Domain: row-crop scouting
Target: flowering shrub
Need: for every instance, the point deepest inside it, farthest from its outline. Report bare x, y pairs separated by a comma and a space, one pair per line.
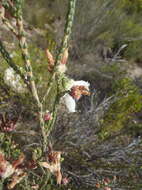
21, 80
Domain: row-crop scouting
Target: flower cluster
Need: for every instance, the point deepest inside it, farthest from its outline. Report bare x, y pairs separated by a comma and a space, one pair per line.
47, 116
53, 164
7, 170
76, 90
7, 124
61, 68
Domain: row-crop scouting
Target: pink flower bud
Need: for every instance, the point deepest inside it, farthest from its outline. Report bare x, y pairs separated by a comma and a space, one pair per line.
107, 188
51, 61
65, 57
47, 116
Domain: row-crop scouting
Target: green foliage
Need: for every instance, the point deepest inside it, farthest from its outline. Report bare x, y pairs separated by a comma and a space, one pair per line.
44, 14
134, 128
128, 101
15, 10
41, 77
134, 51
114, 70
109, 24
9, 147
132, 7
107, 38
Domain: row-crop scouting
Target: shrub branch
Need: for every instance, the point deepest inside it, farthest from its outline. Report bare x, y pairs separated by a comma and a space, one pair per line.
64, 45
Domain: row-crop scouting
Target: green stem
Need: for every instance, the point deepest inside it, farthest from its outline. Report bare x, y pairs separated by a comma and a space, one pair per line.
28, 67
42, 126
51, 124
24, 48
64, 45
68, 30
10, 62
6, 22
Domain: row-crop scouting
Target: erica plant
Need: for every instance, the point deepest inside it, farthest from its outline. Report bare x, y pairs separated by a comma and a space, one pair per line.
23, 80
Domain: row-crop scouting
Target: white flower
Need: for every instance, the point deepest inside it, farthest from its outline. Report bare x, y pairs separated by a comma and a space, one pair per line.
13, 80
81, 83
71, 83
69, 102
77, 89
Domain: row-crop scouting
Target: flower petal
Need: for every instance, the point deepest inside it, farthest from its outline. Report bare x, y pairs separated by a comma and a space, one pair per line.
69, 102
65, 57
72, 83
82, 83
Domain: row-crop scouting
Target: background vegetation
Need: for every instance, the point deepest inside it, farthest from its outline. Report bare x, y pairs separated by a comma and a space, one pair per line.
102, 141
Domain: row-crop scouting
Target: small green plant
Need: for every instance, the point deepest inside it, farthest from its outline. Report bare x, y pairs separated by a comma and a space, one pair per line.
128, 102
